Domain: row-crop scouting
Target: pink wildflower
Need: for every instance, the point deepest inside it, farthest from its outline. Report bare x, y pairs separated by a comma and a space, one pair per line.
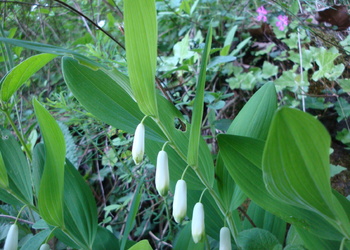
282, 23
262, 14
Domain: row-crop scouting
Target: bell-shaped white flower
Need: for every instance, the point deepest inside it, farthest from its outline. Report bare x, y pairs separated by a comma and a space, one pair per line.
225, 239
180, 201
162, 173
45, 247
138, 147
198, 226
11, 242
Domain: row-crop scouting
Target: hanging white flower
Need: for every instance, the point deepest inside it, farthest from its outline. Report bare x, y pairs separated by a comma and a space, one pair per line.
11, 242
198, 226
162, 173
138, 147
45, 247
180, 201
225, 239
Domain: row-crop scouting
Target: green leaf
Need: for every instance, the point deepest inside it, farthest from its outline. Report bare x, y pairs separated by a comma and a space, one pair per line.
257, 238
229, 192
21, 73
228, 41
219, 60
269, 70
47, 48
38, 165
193, 147
36, 241
18, 171
336, 169
345, 84
130, 221
312, 241
325, 60
255, 117
111, 103
105, 240
296, 164
140, 27
142, 245
245, 166
184, 240
80, 212
343, 109
50, 199
265, 220
4, 181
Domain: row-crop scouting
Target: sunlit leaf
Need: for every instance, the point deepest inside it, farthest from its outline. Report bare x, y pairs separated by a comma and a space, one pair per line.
21, 73
50, 199
255, 117
245, 166
140, 27
141, 245
296, 164
193, 147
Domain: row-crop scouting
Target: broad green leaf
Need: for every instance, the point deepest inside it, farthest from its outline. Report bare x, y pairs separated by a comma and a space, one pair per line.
255, 117
21, 73
36, 241
50, 199
80, 212
38, 165
18, 171
130, 221
257, 238
105, 240
265, 220
105, 98
245, 166
4, 181
312, 241
293, 238
184, 240
47, 48
229, 192
193, 147
142, 245
140, 27
296, 164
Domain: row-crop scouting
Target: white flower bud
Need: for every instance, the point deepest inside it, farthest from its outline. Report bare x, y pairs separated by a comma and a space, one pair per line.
162, 174
45, 247
198, 226
180, 201
225, 239
138, 147
11, 242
